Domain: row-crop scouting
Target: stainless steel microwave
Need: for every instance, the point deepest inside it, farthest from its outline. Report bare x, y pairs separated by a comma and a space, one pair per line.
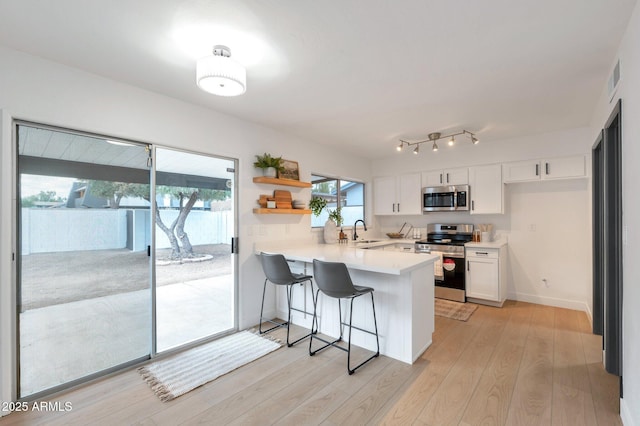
445, 198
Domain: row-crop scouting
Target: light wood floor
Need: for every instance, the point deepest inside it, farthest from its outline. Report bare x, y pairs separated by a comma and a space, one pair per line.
523, 364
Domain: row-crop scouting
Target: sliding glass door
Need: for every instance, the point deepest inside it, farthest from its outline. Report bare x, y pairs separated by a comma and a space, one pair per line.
194, 274
83, 272
124, 252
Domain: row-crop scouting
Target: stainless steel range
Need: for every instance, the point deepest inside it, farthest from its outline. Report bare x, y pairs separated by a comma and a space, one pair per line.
447, 241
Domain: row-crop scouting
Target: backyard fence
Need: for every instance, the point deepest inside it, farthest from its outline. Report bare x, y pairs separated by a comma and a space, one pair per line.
60, 230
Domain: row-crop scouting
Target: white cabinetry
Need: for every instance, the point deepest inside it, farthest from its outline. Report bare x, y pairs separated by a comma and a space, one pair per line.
458, 176
546, 169
486, 275
394, 195
487, 190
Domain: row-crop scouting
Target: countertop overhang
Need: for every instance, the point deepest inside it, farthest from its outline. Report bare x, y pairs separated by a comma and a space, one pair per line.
355, 256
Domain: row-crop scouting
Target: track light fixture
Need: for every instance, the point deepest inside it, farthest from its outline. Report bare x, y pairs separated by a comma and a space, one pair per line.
434, 137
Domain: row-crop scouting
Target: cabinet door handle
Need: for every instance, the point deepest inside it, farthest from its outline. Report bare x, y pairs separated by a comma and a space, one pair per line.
468, 266
394, 207
440, 177
398, 207
473, 207
546, 168
447, 177
537, 169
482, 253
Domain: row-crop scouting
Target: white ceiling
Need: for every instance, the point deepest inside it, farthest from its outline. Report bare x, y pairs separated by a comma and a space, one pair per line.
360, 73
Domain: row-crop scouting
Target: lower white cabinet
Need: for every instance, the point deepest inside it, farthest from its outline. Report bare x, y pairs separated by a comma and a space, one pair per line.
486, 275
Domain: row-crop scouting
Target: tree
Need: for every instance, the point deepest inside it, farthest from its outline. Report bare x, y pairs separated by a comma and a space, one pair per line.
116, 191
180, 245
47, 196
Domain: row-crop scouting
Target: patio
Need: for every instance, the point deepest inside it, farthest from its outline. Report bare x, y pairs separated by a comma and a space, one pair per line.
71, 329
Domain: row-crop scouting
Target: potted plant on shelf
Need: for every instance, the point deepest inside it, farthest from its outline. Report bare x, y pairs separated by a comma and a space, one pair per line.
270, 165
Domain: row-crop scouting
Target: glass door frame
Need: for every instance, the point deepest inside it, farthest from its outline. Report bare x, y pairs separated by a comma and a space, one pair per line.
17, 264
17, 241
234, 256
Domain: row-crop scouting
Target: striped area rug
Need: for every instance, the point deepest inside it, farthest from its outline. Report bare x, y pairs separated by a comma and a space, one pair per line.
454, 310
174, 376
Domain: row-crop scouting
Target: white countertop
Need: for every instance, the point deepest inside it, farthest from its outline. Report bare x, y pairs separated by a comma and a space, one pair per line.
354, 256
492, 244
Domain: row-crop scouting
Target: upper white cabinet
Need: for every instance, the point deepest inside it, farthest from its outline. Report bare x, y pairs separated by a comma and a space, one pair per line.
547, 169
459, 176
394, 195
487, 190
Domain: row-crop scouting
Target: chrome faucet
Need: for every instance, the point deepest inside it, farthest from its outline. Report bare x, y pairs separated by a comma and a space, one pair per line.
355, 234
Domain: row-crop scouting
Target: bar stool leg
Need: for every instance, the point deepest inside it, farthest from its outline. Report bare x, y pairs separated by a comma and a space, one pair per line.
264, 290
375, 323
314, 328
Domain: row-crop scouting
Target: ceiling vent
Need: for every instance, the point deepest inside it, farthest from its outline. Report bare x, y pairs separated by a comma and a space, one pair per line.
614, 79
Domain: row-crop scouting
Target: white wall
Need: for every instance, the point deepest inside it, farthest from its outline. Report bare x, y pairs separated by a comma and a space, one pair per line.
548, 224
629, 91
42, 91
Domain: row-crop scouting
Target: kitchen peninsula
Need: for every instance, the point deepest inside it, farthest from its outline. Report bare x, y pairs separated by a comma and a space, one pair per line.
403, 284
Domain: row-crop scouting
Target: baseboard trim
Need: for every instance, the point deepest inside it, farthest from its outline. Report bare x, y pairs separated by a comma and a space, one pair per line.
625, 414
551, 301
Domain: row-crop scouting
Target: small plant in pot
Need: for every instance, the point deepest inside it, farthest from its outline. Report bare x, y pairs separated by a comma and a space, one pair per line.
336, 216
270, 165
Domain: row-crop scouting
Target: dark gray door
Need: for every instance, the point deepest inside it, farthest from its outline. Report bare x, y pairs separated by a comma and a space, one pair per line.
607, 237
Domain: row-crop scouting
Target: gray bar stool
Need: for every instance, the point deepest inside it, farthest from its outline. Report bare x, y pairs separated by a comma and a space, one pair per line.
333, 279
277, 271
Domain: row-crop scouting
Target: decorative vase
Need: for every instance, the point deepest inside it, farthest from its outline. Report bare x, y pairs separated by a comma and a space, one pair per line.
330, 232
270, 172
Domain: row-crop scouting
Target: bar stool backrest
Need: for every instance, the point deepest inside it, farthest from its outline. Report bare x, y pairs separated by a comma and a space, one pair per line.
276, 268
333, 279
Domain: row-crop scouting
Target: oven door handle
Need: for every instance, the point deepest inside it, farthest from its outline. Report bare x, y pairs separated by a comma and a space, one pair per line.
453, 255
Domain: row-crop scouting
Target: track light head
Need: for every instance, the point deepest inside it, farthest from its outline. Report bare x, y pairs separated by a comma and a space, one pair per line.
452, 141
399, 147
474, 140
416, 149
435, 146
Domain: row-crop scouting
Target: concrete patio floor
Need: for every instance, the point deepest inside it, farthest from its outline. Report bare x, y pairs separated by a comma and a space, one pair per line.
68, 341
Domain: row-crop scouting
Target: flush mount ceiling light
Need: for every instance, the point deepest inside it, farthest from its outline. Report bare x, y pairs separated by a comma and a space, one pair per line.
220, 75
434, 137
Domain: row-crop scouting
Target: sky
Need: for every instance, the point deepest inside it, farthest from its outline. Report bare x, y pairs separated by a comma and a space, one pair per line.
33, 184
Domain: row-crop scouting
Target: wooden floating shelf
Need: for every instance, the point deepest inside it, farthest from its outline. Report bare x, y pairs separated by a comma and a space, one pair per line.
281, 211
285, 182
